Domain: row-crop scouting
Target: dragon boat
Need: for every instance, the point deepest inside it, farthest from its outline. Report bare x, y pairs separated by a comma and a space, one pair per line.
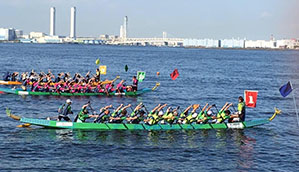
125, 126
114, 93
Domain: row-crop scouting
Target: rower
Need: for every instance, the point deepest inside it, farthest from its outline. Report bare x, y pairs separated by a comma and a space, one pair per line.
201, 114
172, 116
224, 113
104, 115
184, 114
83, 114
137, 118
119, 114
64, 110
120, 87
191, 117
6, 76
156, 116
136, 110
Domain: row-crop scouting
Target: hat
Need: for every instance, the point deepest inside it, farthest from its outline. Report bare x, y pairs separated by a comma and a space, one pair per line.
160, 113
209, 113
68, 101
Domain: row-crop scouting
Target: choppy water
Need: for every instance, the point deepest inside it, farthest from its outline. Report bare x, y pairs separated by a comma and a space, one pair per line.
206, 75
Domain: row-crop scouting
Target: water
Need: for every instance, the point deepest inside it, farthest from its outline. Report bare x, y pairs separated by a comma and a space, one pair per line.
206, 75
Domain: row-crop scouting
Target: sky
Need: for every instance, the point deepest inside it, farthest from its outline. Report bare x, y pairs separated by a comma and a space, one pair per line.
215, 19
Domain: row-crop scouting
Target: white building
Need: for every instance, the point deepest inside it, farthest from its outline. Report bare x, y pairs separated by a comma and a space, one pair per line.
287, 43
19, 33
206, 43
232, 43
7, 34
49, 39
36, 34
260, 44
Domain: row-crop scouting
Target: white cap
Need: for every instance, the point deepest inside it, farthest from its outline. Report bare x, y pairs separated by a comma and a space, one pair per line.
194, 115
160, 113
209, 113
68, 101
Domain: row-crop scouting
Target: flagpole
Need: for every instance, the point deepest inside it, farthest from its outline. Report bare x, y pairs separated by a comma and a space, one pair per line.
295, 104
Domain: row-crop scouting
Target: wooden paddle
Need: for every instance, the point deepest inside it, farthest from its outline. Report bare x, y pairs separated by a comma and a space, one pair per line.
108, 82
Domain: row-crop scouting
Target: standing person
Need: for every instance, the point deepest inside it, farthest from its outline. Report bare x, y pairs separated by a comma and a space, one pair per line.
135, 84
64, 110
241, 109
98, 75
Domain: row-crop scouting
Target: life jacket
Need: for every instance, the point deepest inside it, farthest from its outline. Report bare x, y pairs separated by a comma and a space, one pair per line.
221, 117
154, 119
60, 109
241, 108
135, 82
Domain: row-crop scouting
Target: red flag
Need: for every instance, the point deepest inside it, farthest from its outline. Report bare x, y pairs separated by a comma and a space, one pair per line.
250, 98
174, 74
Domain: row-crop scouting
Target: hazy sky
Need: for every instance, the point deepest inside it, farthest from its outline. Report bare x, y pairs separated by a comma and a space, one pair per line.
218, 19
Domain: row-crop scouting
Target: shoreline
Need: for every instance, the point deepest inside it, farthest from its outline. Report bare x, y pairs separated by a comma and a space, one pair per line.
185, 47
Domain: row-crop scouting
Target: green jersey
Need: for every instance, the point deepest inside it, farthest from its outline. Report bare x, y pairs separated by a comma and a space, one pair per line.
82, 116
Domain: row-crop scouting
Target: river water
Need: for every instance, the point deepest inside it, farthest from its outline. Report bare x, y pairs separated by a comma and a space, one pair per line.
206, 75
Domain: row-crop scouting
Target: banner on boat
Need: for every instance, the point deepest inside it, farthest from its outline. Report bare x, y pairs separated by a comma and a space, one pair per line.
103, 70
250, 98
140, 75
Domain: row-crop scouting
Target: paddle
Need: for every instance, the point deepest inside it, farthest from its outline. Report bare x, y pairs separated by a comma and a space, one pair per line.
108, 82
215, 107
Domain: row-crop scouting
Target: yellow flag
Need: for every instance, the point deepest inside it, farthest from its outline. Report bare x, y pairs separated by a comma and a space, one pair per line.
98, 61
103, 70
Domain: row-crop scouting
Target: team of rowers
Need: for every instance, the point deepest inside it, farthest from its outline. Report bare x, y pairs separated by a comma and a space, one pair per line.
64, 82
192, 114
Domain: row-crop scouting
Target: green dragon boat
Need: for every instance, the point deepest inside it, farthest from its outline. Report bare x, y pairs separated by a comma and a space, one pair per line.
25, 93
123, 126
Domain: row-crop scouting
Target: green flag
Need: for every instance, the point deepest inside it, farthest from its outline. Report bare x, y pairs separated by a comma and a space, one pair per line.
126, 68
140, 76
97, 61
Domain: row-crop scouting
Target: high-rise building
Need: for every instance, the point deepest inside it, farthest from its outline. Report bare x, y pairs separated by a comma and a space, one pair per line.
52, 21
73, 23
121, 31
125, 28
164, 35
7, 34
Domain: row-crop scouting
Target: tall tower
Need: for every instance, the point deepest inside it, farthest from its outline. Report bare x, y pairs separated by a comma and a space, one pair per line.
73, 23
121, 32
125, 28
52, 21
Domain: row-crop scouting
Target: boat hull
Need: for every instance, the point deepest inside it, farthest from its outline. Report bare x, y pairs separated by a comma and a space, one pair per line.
24, 93
123, 126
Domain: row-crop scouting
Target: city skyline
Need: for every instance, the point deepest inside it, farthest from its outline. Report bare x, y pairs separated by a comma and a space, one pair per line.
238, 19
